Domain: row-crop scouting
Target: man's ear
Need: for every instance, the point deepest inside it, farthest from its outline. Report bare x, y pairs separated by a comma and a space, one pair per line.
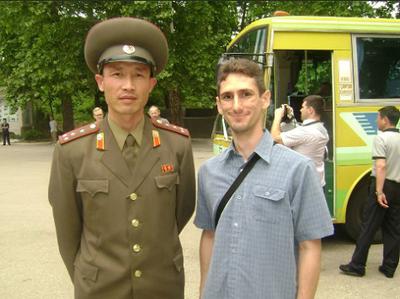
99, 79
266, 99
218, 102
153, 83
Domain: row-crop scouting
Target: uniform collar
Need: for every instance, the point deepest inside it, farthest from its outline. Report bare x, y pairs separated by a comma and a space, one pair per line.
120, 134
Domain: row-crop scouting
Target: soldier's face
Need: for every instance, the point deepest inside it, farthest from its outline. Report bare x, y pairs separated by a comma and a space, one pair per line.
241, 104
126, 87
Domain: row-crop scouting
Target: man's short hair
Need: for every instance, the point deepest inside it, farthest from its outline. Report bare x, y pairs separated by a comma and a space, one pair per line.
95, 109
392, 113
241, 66
154, 107
316, 102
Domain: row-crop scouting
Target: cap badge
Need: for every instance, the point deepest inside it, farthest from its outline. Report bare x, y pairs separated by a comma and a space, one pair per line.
128, 49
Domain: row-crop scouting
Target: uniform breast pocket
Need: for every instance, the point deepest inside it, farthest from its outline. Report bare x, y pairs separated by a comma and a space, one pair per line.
167, 182
92, 187
269, 204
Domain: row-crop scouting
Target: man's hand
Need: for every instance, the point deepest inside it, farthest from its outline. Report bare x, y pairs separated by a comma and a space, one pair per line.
381, 198
279, 113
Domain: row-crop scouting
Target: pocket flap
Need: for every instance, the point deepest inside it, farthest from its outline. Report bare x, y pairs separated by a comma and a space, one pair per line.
167, 181
92, 186
87, 271
268, 193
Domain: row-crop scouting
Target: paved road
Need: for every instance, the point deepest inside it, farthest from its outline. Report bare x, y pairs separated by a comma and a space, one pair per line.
30, 266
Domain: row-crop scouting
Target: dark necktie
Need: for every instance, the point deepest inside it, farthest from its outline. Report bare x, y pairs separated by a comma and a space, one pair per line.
128, 152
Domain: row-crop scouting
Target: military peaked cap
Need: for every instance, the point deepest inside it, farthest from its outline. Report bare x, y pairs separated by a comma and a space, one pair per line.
126, 39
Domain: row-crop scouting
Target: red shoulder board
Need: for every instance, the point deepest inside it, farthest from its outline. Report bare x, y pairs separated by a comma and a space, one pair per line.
172, 128
78, 133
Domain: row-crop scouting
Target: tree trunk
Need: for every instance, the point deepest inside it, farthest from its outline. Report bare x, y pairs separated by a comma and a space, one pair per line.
68, 114
175, 107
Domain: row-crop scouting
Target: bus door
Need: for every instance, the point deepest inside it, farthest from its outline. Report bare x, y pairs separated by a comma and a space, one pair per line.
297, 74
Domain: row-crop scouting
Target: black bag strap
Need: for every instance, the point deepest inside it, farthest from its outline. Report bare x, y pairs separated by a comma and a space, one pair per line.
234, 186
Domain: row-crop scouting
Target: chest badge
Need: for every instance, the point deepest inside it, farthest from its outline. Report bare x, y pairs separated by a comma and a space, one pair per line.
156, 138
166, 168
100, 141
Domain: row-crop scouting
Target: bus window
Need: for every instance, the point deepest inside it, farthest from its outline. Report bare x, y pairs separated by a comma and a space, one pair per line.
251, 46
378, 67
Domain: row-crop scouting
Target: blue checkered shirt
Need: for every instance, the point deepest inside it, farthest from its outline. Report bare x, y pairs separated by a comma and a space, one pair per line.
279, 204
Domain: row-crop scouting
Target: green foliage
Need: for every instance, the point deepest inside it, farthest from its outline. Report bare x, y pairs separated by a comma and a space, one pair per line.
41, 46
311, 76
33, 134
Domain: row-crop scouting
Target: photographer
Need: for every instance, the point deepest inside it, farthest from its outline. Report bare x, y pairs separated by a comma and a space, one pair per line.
310, 138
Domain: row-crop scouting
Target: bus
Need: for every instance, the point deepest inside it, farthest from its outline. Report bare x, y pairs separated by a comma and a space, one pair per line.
354, 64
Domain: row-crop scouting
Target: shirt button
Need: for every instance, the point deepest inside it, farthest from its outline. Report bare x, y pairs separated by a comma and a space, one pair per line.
239, 197
235, 224
267, 193
135, 223
133, 196
136, 248
138, 273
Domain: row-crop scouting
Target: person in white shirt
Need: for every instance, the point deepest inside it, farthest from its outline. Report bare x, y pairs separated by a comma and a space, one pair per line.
310, 138
53, 129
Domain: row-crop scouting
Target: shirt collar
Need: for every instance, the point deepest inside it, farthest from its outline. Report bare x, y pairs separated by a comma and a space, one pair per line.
391, 130
120, 134
309, 120
263, 149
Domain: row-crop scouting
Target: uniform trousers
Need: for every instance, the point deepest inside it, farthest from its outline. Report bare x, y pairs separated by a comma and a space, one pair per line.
388, 219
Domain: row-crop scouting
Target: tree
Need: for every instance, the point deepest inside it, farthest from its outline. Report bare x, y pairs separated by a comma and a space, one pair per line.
43, 57
41, 47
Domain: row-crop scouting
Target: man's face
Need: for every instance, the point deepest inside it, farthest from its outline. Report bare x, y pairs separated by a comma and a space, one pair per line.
381, 122
98, 115
305, 111
241, 104
126, 87
154, 112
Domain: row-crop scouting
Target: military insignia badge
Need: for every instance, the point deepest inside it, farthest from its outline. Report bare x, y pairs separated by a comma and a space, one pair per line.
165, 168
100, 141
156, 138
128, 49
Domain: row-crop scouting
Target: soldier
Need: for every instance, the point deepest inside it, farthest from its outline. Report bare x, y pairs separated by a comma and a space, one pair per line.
123, 189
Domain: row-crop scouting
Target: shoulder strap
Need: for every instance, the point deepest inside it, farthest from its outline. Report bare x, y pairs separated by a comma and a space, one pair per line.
234, 186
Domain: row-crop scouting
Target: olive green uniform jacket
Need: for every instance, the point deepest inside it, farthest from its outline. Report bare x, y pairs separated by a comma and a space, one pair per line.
118, 232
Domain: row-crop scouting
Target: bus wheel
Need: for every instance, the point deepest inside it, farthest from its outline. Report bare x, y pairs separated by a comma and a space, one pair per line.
355, 208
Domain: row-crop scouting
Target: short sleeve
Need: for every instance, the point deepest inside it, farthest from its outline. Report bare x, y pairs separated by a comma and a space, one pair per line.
203, 218
378, 148
293, 137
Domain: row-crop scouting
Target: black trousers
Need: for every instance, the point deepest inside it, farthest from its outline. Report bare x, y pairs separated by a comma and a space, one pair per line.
375, 217
6, 138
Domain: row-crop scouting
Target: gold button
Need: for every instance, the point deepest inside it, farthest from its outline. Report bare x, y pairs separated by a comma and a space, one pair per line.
138, 273
136, 248
133, 196
135, 223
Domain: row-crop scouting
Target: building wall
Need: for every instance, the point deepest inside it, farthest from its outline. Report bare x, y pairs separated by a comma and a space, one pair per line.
14, 119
